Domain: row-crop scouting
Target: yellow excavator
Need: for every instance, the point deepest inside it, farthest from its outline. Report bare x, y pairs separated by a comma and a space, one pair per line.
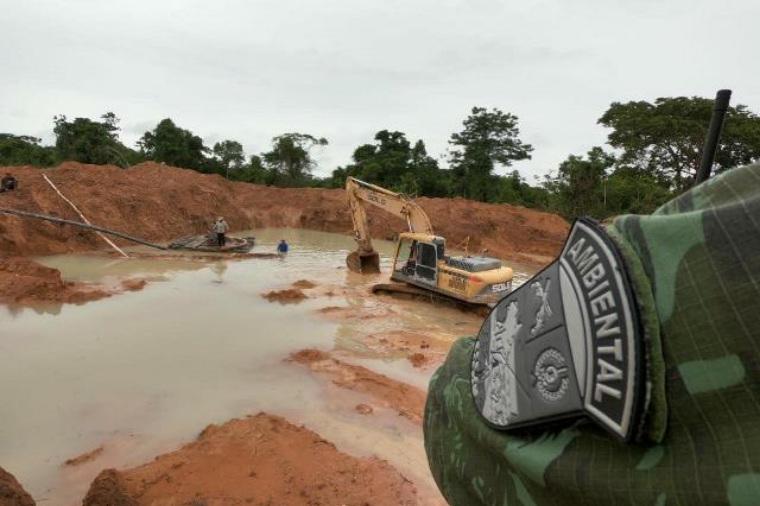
420, 263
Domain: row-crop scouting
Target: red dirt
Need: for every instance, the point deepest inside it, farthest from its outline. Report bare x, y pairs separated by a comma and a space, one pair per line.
260, 460
85, 457
159, 203
364, 409
23, 281
287, 296
407, 400
304, 284
11, 491
419, 359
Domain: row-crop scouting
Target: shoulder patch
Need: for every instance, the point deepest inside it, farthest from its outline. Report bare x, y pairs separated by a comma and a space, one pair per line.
565, 344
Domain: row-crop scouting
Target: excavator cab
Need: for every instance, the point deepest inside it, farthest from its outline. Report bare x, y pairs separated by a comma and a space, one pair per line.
417, 258
421, 261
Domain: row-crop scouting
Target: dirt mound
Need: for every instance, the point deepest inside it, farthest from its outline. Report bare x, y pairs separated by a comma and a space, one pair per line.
407, 400
419, 359
304, 284
260, 460
159, 203
109, 489
309, 356
24, 281
11, 491
287, 296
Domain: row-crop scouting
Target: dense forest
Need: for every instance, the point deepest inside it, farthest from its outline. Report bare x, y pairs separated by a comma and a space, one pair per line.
652, 153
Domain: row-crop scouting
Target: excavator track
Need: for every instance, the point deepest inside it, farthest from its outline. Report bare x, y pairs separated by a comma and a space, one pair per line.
405, 291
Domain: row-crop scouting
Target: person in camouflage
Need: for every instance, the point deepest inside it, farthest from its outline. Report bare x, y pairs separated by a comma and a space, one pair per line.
695, 268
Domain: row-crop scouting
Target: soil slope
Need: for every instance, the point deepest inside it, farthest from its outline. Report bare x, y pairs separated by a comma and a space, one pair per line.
11, 491
261, 460
159, 203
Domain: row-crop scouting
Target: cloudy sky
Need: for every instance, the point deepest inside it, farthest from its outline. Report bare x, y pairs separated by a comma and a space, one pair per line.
344, 69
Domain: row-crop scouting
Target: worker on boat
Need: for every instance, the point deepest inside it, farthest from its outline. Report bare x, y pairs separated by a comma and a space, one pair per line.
282, 248
8, 183
221, 228
644, 393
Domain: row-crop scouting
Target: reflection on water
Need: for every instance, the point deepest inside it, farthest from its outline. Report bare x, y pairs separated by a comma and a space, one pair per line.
142, 372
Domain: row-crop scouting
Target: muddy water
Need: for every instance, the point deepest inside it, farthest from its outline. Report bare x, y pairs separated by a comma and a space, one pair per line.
142, 372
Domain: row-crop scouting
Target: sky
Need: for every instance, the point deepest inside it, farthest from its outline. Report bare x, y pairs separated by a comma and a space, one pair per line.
345, 69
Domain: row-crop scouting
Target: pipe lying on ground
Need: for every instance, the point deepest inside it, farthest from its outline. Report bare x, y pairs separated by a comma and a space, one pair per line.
96, 228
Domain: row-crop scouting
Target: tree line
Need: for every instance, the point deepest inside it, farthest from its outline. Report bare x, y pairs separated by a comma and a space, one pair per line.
653, 152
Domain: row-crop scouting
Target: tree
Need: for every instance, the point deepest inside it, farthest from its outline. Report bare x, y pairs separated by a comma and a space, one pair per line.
254, 172
230, 154
87, 141
600, 186
579, 187
393, 163
489, 138
176, 146
513, 189
290, 158
25, 150
666, 138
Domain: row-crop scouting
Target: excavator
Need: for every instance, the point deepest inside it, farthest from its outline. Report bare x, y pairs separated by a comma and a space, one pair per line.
420, 264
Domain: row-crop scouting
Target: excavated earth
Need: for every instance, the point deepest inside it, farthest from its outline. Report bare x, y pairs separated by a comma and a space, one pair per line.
159, 203
260, 460
263, 459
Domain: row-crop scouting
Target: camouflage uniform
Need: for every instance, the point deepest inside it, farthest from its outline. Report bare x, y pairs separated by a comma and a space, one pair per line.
695, 265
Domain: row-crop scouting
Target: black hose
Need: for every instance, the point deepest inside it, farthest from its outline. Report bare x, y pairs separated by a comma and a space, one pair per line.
36, 216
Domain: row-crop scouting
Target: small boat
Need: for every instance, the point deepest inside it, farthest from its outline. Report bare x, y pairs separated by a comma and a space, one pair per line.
207, 242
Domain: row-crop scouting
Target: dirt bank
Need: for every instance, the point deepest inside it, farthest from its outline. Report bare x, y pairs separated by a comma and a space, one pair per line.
159, 203
23, 281
407, 400
11, 491
260, 460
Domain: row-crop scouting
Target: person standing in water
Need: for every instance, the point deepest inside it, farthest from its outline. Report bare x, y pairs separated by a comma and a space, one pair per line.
282, 248
220, 228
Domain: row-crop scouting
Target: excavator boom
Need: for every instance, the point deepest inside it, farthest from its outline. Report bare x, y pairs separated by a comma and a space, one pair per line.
366, 259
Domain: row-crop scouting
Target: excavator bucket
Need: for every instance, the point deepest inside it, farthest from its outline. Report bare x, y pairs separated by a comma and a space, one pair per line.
364, 263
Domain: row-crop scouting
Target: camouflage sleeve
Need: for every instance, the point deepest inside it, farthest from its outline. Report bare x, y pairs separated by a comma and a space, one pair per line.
699, 258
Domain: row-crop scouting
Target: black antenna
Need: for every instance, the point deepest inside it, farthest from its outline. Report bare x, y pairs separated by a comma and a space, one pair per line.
713, 135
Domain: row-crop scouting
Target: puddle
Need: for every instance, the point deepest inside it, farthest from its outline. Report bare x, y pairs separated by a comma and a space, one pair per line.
143, 372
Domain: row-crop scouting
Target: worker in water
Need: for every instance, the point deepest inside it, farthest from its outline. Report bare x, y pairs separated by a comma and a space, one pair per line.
282, 248
8, 183
220, 228
637, 365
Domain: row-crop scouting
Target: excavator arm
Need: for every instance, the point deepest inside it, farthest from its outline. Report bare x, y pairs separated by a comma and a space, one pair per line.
366, 259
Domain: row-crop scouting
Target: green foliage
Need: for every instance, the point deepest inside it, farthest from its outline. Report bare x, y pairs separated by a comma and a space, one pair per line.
254, 172
290, 160
666, 138
25, 150
393, 163
87, 141
598, 186
658, 147
230, 154
489, 139
513, 189
176, 146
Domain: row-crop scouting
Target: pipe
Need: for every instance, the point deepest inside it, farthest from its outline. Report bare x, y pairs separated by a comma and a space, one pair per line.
79, 224
713, 135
